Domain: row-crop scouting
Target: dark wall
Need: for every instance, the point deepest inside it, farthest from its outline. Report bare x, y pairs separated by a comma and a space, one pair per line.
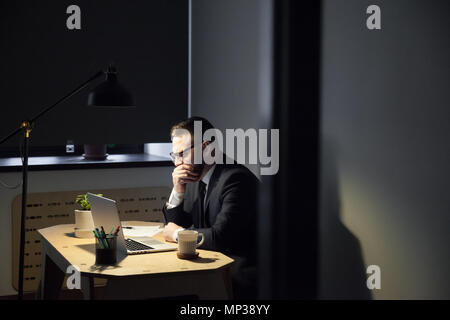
41, 61
230, 46
385, 157
226, 55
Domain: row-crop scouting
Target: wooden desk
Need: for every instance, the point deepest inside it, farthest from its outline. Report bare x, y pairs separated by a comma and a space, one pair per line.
141, 276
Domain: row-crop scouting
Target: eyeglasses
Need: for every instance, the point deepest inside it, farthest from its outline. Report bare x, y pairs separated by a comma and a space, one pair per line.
181, 154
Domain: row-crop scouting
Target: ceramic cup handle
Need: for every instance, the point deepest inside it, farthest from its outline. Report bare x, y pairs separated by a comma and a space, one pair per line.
201, 241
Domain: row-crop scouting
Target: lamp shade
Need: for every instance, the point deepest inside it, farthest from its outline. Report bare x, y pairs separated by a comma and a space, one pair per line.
110, 93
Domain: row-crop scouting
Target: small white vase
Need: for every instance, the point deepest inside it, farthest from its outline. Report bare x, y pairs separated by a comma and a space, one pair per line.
84, 224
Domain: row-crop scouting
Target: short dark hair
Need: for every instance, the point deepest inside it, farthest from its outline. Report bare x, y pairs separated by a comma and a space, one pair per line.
188, 125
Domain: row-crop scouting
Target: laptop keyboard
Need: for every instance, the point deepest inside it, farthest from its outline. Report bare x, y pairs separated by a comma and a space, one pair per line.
135, 246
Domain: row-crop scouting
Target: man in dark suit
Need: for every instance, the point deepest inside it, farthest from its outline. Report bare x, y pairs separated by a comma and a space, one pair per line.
218, 200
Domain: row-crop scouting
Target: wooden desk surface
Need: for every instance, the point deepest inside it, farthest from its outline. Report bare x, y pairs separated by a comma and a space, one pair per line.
81, 253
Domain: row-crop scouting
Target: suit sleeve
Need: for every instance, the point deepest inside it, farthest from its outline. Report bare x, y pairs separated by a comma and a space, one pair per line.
178, 215
235, 217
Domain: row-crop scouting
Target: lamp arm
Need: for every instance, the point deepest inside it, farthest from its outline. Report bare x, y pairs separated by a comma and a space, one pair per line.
27, 124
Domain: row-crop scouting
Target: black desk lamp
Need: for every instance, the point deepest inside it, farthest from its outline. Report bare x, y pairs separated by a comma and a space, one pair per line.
107, 94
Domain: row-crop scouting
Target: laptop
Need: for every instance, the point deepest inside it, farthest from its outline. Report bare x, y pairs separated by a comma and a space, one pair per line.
104, 213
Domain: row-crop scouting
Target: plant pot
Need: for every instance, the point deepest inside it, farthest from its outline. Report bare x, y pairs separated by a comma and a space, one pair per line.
84, 224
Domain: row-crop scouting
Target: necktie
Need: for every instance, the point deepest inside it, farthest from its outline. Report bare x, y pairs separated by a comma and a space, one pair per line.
201, 196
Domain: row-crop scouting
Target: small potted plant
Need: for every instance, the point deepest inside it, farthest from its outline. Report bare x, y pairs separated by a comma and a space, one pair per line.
83, 218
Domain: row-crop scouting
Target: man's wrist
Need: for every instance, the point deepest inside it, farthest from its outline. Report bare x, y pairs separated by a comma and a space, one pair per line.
178, 190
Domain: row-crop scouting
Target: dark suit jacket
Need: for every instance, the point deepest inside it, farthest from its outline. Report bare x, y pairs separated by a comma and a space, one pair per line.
230, 211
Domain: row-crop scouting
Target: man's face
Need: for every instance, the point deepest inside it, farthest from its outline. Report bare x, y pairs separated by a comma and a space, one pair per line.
181, 146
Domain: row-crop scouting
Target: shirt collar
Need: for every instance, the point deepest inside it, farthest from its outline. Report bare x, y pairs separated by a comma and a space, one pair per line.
208, 175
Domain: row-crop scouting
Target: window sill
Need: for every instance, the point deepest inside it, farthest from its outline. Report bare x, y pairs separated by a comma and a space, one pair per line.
78, 162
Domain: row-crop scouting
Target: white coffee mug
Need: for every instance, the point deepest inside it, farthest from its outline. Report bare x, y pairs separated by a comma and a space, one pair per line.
187, 241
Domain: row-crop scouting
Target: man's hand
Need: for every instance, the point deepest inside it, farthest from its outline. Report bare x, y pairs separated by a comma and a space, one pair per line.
168, 231
183, 174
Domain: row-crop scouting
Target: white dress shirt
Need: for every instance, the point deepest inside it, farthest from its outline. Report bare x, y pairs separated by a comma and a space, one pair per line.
176, 198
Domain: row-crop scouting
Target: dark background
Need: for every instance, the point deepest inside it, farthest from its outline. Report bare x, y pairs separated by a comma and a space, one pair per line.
384, 143
41, 60
363, 118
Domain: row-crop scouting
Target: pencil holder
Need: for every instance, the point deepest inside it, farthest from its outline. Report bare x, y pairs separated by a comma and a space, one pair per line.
106, 250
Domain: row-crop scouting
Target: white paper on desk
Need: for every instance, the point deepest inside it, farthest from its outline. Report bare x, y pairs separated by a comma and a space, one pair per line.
141, 231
